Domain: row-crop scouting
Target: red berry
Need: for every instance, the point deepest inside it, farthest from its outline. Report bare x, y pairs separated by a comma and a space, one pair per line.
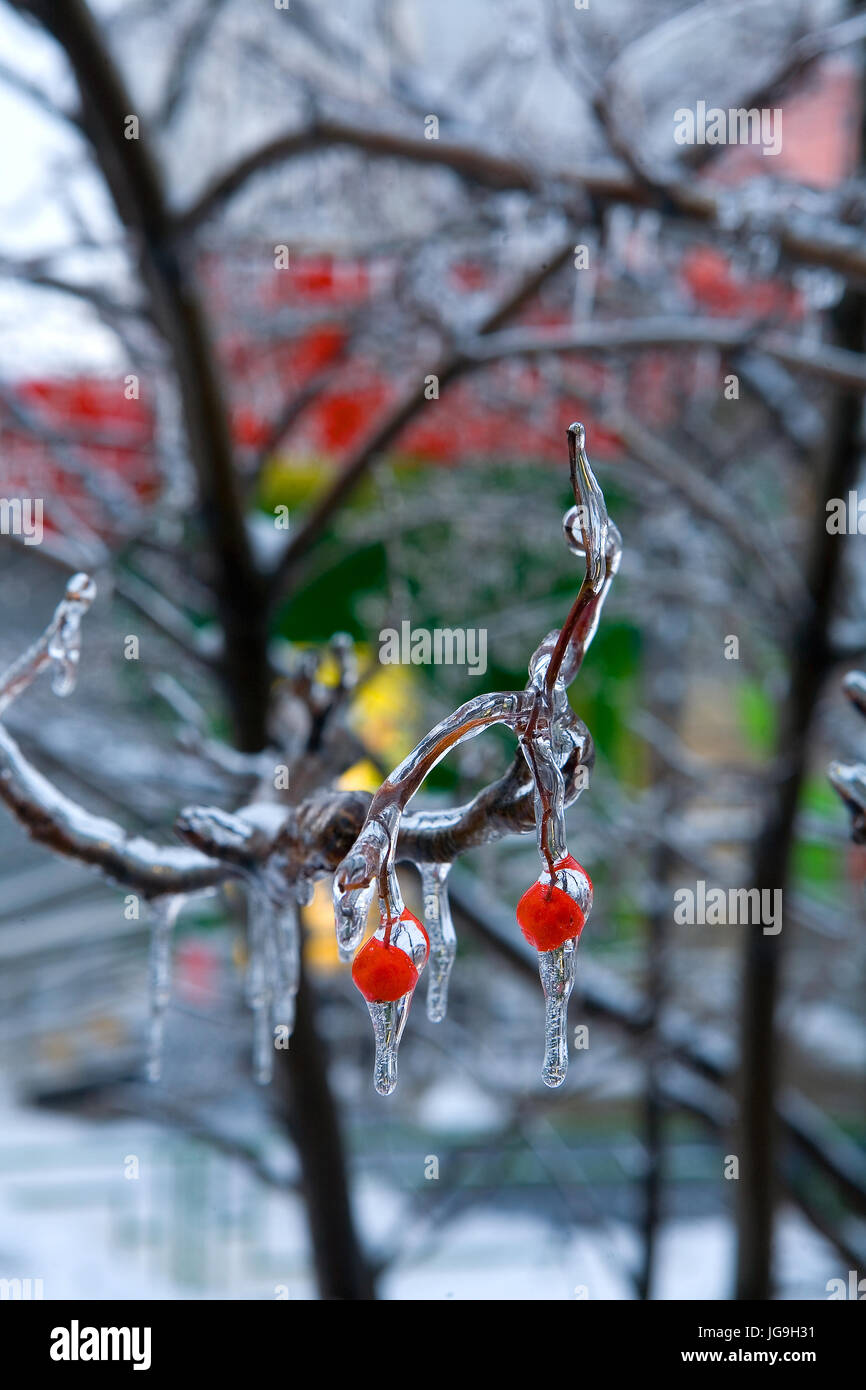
383, 973
548, 916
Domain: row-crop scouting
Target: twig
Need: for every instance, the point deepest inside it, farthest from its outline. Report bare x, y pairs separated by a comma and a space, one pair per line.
836, 365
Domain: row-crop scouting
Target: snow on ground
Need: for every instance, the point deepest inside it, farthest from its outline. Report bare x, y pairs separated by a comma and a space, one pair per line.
196, 1225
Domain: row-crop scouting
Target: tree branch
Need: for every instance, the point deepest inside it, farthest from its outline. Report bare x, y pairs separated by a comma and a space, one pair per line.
451, 364
836, 365
135, 185
828, 244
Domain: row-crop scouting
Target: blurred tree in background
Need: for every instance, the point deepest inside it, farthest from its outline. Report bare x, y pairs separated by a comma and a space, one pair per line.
360, 271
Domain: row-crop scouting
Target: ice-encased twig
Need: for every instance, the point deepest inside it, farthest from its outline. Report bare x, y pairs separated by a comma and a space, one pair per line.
59, 646
326, 830
541, 718
528, 713
56, 820
371, 858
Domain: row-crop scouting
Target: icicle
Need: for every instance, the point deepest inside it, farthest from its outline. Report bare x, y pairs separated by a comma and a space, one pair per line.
304, 892
164, 915
443, 938
260, 974
556, 969
386, 972
389, 1020
551, 914
64, 647
553, 911
287, 940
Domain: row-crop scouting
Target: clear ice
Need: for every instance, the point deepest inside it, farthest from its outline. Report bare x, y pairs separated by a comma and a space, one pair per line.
556, 969
443, 938
64, 646
389, 1019
273, 972
164, 913
553, 742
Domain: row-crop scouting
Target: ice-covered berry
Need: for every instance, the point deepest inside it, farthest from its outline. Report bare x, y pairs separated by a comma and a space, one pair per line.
552, 912
384, 972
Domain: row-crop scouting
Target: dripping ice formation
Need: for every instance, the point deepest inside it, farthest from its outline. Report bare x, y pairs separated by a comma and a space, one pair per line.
64, 646
443, 938
556, 969
279, 847
553, 744
389, 1016
273, 974
59, 647
164, 913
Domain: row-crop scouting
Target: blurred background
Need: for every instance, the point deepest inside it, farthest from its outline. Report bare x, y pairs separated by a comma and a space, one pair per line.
297, 302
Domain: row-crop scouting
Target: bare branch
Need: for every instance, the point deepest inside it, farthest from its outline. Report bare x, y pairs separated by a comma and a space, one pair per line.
133, 179
58, 822
401, 413
35, 93
839, 366
822, 243
710, 501
477, 166
68, 829
162, 614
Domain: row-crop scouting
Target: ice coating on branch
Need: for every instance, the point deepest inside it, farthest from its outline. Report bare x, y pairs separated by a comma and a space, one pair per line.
58, 647
351, 908
372, 855
164, 913
556, 969
355, 883
593, 518
549, 796
64, 643
443, 938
